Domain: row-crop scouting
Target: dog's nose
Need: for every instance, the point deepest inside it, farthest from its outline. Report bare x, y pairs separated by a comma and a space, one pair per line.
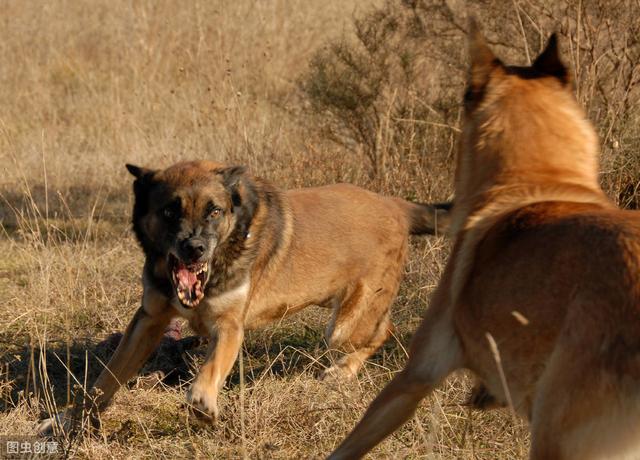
192, 248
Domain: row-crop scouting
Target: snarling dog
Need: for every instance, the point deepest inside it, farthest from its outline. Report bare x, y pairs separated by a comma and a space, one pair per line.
543, 282
230, 252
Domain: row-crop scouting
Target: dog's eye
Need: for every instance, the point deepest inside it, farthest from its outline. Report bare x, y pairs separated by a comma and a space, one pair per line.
169, 213
216, 212
172, 210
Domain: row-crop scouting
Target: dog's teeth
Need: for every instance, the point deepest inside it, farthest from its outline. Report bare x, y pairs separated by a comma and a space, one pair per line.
205, 268
198, 284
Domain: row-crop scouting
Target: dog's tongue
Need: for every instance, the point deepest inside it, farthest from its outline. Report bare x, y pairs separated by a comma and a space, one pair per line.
186, 277
189, 285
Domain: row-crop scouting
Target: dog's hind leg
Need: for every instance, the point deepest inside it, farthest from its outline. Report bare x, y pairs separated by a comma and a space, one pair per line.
361, 323
360, 326
435, 352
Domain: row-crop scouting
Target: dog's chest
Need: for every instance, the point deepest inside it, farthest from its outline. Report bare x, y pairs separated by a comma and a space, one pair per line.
202, 319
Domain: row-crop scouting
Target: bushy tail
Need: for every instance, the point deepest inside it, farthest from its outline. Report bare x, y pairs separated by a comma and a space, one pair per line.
428, 218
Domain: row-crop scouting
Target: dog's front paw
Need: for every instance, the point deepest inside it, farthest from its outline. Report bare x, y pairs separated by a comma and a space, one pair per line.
482, 399
203, 400
337, 373
69, 423
53, 425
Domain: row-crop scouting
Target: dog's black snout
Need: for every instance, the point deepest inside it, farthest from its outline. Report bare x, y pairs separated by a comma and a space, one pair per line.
193, 248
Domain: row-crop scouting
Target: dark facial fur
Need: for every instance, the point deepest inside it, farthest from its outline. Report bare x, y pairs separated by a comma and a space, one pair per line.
189, 219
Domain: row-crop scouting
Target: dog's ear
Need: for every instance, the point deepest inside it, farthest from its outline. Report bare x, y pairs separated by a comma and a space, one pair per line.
138, 172
482, 59
244, 199
549, 63
143, 179
141, 188
232, 175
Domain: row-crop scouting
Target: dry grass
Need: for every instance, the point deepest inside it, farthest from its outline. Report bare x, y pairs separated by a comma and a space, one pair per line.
90, 85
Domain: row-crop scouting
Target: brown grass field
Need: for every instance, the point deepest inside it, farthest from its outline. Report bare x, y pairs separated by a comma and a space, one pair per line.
88, 85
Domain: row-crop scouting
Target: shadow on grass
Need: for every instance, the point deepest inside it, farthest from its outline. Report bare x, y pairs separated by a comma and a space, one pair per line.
32, 370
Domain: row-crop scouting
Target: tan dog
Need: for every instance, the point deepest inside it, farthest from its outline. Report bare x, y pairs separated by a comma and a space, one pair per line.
230, 252
545, 271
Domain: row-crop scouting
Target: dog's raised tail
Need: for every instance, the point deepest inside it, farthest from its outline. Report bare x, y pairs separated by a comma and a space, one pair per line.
428, 218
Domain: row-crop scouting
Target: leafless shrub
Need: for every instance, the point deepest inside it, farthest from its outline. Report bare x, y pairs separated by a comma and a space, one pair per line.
389, 92
375, 96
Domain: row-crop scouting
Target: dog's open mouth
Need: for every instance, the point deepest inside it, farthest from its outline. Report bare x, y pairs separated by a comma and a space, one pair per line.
188, 280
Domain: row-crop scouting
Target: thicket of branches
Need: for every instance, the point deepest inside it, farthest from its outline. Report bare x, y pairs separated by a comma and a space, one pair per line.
392, 93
